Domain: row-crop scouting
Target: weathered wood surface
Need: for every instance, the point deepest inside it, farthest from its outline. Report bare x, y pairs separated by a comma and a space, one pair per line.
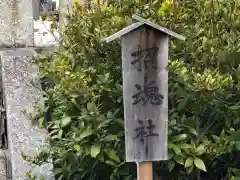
145, 92
145, 171
141, 22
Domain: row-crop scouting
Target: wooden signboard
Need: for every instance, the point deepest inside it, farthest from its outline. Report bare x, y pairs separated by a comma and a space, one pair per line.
145, 89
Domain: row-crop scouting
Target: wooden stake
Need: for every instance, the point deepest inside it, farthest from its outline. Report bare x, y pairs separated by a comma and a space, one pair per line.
144, 171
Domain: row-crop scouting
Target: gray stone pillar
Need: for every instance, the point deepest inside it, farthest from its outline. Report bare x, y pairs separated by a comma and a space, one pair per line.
23, 97
63, 10
36, 9
3, 164
16, 21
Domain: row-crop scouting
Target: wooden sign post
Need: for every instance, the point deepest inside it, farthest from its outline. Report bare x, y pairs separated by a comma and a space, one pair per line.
145, 92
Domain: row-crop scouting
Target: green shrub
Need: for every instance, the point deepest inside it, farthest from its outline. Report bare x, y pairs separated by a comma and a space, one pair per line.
87, 131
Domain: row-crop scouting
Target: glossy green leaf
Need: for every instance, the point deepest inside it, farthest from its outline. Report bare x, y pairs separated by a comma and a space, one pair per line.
184, 146
190, 129
110, 163
174, 148
65, 121
215, 138
170, 155
235, 136
95, 150
77, 148
84, 134
110, 137
199, 164
91, 107
41, 121
236, 107
180, 137
28, 174
200, 150
112, 154
60, 133
188, 162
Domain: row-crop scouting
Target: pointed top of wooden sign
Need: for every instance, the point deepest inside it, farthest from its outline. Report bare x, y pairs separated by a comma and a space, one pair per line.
142, 22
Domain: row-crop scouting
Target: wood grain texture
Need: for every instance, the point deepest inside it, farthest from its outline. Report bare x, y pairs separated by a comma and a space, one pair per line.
145, 171
152, 148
